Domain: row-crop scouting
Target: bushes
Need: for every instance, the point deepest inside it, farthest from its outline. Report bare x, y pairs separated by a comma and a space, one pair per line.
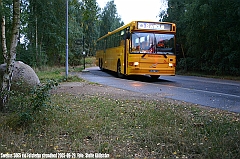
25, 108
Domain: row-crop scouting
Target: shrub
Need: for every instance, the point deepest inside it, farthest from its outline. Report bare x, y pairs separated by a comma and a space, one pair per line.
25, 108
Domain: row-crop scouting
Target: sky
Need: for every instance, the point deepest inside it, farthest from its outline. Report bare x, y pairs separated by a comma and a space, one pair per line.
130, 10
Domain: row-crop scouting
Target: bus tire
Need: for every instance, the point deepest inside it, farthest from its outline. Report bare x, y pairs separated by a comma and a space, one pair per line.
100, 64
119, 74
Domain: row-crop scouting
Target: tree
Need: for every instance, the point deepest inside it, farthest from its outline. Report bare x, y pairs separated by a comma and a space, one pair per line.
109, 20
90, 12
9, 56
209, 31
45, 31
163, 9
43, 27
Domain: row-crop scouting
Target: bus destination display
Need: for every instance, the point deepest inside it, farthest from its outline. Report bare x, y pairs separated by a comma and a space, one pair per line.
154, 26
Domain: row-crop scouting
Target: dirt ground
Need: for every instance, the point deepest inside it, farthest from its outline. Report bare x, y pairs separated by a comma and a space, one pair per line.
87, 88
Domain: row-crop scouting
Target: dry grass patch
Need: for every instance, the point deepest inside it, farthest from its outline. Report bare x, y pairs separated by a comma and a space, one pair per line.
127, 129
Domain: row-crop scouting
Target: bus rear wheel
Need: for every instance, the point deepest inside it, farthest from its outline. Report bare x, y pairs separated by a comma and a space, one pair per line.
119, 74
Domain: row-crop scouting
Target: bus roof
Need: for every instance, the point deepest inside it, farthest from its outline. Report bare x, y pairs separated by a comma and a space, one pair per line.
133, 23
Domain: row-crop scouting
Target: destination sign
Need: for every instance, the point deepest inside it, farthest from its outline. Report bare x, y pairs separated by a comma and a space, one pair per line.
154, 26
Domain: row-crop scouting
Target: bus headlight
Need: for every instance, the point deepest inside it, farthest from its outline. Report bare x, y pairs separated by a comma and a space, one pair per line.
170, 64
136, 63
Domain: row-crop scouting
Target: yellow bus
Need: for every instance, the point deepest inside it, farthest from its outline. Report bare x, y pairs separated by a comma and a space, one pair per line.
139, 48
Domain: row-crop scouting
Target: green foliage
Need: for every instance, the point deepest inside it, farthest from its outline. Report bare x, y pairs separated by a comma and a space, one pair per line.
109, 18
89, 24
58, 74
209, 32
27, 107
43, 29
50, 73
47, 32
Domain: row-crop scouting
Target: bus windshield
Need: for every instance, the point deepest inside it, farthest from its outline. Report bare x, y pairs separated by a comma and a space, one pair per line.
152, 43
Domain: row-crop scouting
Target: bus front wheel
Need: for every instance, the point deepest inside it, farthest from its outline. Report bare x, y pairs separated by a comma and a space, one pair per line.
119, 74
100, 63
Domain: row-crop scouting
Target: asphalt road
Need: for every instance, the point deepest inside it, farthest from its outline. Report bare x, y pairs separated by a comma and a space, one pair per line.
217, 93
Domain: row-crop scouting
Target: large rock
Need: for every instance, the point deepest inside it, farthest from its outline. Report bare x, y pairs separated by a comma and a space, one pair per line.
22, 73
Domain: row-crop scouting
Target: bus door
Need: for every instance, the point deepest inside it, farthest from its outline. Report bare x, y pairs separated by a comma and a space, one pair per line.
126, 49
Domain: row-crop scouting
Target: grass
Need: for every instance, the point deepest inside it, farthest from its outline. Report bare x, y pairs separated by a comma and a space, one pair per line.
58, 74
124, 129
201, 74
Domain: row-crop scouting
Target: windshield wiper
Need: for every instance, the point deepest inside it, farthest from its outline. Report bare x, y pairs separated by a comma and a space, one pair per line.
144, 55
165, 54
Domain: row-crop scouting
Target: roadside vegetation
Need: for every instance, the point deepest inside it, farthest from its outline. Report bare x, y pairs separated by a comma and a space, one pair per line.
65, 123
204, 46
207, 75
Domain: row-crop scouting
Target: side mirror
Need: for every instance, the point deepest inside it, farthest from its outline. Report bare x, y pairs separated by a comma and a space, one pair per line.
128, 35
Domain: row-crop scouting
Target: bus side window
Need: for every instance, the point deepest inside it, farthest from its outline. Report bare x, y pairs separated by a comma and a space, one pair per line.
122, 37
110, 42
116, 40
122, 42
135, 42
119, 40
105, 45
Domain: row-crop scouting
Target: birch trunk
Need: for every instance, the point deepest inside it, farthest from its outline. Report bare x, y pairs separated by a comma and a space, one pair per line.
11, 56
4, 43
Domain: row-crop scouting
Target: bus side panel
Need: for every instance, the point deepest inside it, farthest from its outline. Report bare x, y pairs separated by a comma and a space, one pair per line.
107, 60
112, 56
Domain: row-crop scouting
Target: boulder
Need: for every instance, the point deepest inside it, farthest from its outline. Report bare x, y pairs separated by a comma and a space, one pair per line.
22, 74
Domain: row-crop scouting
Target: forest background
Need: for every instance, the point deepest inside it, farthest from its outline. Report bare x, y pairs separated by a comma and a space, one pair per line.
207, 32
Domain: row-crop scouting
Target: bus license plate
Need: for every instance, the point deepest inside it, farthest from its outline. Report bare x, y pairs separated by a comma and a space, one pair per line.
153, 70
